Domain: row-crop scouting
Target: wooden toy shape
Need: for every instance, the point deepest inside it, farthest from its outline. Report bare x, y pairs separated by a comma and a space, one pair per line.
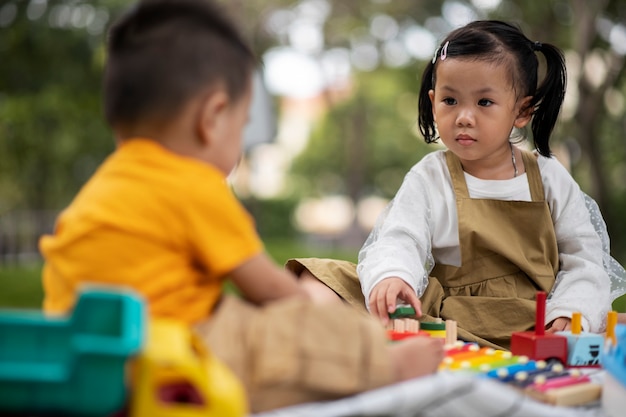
548, 382
435, 328
460, 347
583, 347
451, 332
470, 350
403, 319
403, 324
403, 311
478, 360
475, 359
394, 335
570, 395
611, 322
538, 345
540, 375
571, 388
524, 366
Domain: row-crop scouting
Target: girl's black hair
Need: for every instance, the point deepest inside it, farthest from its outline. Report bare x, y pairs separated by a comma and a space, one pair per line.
500, 42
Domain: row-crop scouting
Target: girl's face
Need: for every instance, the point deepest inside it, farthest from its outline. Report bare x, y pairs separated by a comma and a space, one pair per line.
475, 108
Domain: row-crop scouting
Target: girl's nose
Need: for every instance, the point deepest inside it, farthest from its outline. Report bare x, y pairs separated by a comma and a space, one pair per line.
465, 118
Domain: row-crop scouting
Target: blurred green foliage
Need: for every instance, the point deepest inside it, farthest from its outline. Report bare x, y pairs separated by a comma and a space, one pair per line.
52, 133
367, 144
21, 285
273, 217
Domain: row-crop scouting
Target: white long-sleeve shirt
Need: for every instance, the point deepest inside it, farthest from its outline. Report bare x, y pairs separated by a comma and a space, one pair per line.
419, 228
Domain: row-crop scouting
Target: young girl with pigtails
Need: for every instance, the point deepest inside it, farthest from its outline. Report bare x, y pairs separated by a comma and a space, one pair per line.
477, 229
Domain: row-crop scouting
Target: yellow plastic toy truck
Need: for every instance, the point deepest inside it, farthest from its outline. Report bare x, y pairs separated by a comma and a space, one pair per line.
175, 376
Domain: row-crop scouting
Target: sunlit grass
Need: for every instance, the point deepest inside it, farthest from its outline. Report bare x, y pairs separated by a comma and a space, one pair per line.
20, 286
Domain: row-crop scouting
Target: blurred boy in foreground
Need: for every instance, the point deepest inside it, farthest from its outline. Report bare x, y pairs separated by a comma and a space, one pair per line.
159, 217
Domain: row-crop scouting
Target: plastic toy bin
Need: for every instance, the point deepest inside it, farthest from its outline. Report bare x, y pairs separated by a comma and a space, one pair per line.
74, 365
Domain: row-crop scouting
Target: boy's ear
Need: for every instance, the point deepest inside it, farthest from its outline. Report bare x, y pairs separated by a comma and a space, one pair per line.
211, 108
525, 113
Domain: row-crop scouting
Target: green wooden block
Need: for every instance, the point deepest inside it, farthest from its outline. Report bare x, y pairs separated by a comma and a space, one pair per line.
432, 325
403, 312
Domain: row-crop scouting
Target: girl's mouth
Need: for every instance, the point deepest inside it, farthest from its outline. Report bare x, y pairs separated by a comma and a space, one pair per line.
465, 140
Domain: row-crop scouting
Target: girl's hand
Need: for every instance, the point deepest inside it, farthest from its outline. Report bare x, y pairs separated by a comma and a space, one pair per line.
559, 324
385, 295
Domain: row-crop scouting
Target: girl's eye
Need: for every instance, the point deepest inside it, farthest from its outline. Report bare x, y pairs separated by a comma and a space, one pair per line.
485, 102
449, 101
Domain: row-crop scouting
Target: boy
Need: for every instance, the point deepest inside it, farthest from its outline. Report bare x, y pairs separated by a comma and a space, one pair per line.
159, 217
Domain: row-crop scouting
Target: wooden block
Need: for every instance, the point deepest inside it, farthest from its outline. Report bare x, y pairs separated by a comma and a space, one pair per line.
451, 332
571, 395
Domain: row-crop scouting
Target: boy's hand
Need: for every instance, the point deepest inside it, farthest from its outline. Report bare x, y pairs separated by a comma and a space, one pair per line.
559, 324
384, 298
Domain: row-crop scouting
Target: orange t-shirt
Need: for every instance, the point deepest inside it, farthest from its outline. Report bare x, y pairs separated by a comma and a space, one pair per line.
165, 225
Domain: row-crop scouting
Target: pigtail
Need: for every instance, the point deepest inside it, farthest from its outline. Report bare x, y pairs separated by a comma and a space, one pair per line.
549, 97
426, 120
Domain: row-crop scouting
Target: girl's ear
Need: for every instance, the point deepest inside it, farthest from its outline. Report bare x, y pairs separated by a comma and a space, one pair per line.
212, 108
431, 95
525, 112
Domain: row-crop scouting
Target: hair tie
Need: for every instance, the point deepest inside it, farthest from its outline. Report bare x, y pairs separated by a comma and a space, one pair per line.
537, 46
444, 52
435, 56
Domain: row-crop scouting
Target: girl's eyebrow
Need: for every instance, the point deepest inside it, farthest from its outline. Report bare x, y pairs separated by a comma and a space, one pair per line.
448, 88
483, 90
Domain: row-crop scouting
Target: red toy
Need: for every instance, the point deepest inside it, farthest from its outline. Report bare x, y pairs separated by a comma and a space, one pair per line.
538, 345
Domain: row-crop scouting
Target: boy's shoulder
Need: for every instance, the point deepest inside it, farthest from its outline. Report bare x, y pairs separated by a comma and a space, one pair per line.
148, 154
143, 173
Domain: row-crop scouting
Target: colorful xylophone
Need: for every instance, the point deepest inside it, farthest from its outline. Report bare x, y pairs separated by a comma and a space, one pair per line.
555, 368
548, 382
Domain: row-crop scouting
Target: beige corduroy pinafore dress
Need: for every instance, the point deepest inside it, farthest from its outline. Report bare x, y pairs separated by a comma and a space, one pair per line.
508, 253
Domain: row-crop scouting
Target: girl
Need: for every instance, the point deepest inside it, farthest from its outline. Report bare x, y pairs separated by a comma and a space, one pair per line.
476, 230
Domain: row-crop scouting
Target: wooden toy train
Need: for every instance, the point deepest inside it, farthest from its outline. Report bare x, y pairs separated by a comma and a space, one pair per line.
555, 368
572, 348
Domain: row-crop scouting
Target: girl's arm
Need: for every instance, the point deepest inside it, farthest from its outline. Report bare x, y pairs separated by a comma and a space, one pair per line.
399, 246
385, 295
582, 284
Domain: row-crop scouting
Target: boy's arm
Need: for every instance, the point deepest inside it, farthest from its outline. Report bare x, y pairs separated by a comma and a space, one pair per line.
261, 280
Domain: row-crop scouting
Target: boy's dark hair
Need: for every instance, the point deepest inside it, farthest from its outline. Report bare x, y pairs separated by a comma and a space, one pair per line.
500, 42
162, 52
